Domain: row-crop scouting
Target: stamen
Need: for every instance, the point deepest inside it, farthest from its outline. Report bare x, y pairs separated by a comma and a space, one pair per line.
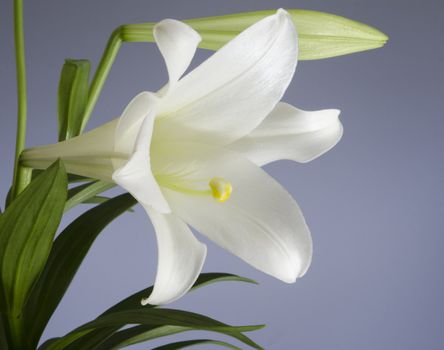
221, 189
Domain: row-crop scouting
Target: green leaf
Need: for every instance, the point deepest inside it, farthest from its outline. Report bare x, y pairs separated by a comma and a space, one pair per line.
188, 343
100, 200
63, 342
206, 279
3, 334
139, 334
85, 192
88, 194
133, 301
157, 317
321, 35
72, 97
170, 317
72, 178
92, 340
109, 338
143, 333
27, 230
47, 343
68, 252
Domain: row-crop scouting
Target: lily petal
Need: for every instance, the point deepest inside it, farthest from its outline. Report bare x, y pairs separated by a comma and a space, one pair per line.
100, 151
177, 42
260, 222
135, 175
90, 154
130, 122
180, 258
291, 133
229, 94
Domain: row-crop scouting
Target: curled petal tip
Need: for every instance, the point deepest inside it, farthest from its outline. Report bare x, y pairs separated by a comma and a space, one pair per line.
299, 264
293, 275
282, 14
282, 11
162, 27
290, 279
306, 266
336, 111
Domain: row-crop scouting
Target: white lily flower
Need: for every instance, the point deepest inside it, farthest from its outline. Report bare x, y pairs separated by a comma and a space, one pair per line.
191, 154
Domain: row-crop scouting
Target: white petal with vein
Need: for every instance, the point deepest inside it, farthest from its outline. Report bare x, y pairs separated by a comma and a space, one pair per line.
260, 222
291, 133
229, 94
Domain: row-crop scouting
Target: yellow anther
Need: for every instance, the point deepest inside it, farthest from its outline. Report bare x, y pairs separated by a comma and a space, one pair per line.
220, 189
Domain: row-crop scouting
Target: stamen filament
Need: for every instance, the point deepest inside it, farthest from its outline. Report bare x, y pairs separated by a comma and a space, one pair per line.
186, 190
219, 188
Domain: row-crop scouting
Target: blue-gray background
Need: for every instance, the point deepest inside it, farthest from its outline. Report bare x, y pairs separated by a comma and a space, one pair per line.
374, 203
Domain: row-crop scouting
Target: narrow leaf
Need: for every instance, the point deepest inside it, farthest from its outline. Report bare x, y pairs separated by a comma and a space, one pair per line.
321, 35
63, 342
206, 279
151, 316
27, 230
170, 317
188, 343
109, 338
85, 192
143, 333
3, 335
72, 97
133, 301
47, 343
92, 340
100, 200
156, 318
71, 177
139, 334
68, 252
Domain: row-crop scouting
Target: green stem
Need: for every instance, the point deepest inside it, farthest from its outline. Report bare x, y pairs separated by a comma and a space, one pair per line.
124, 33
21, 174
108, 58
